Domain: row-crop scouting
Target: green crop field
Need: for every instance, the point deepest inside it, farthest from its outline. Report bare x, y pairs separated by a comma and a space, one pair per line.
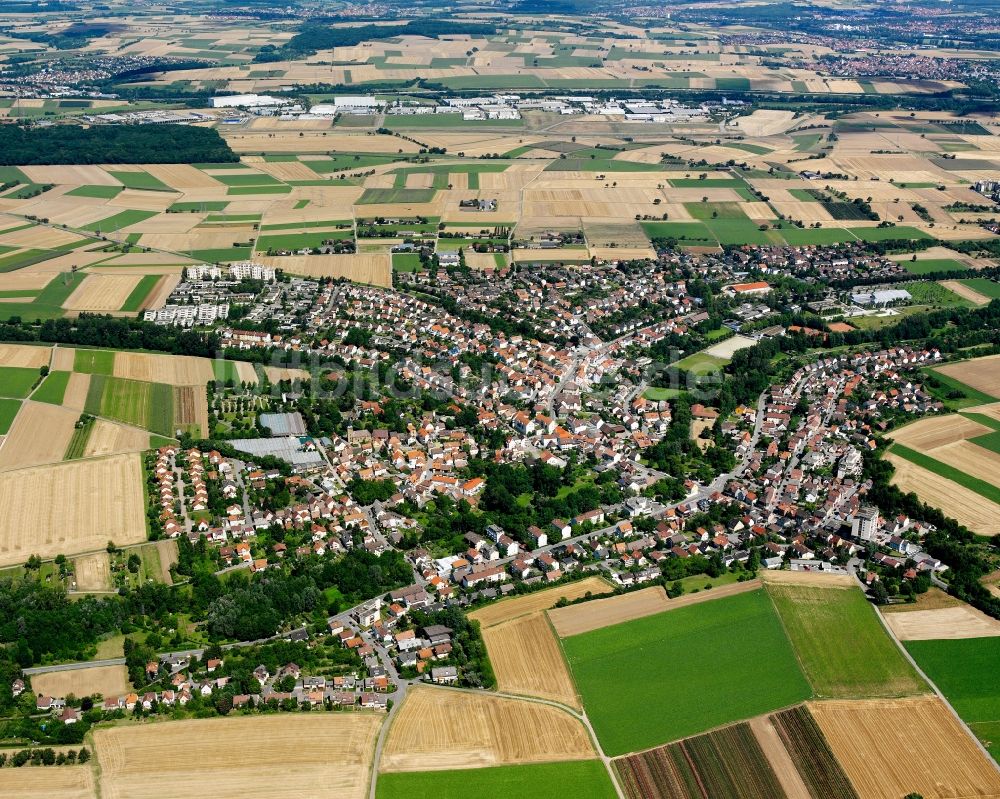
78, 443
843, 648
53, 388
94, 362
934, 265
728, 762
276, 188
886, 233
981, 487
966, 671
985, 286
134, 402
225, 371
8, 410
635, 678
118, 221
135, 300
47, 304
588, 778
140, 180
254, 179
195, 207
395, 195
17, 381
299, 241
101, 192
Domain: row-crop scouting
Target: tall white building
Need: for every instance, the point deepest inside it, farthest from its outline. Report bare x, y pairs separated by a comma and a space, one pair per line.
865, 524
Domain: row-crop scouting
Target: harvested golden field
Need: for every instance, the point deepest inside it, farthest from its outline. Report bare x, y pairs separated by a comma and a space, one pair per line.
982, 374
606, 615
527, 659
92, 572
24, 446
932, 599
174, 370
583, 618
373, 268
167, 550
941, 760
965, 292
276, 374
101, 293
108, 438
61, 782
819, 579
104, 680
439, 728
24, 355
293, 755
766, 123
967, 507
937, 431
181, 176
71, 507
63, 358
956, 622
970, 458
158, 296
508, 609
76, 389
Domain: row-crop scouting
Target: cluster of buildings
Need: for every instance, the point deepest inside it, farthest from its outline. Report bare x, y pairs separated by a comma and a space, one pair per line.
207, 293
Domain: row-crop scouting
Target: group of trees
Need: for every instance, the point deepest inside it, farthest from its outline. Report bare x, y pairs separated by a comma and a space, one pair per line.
112, 144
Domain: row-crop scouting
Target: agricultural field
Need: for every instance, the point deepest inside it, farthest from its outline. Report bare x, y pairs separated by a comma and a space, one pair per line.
16, 382
942, 761
70, 507
982, 374
438, 728
23, 447
958, 621
966, 506
537, 601
104, 680
589, 779
728, 762
737, 633
812, 760
271, 755
965, 672
598, 613
62, 782
527, 660
132, 402
819, 620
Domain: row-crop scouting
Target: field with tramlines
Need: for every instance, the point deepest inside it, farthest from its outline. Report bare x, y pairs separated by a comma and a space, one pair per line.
807, 746
728, 762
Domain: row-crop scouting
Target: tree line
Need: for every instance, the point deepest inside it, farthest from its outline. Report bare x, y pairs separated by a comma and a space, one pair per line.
112, 144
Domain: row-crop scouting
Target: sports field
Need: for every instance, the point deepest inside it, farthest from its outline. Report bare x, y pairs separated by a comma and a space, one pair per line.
588, 778
658, 655
843, 648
